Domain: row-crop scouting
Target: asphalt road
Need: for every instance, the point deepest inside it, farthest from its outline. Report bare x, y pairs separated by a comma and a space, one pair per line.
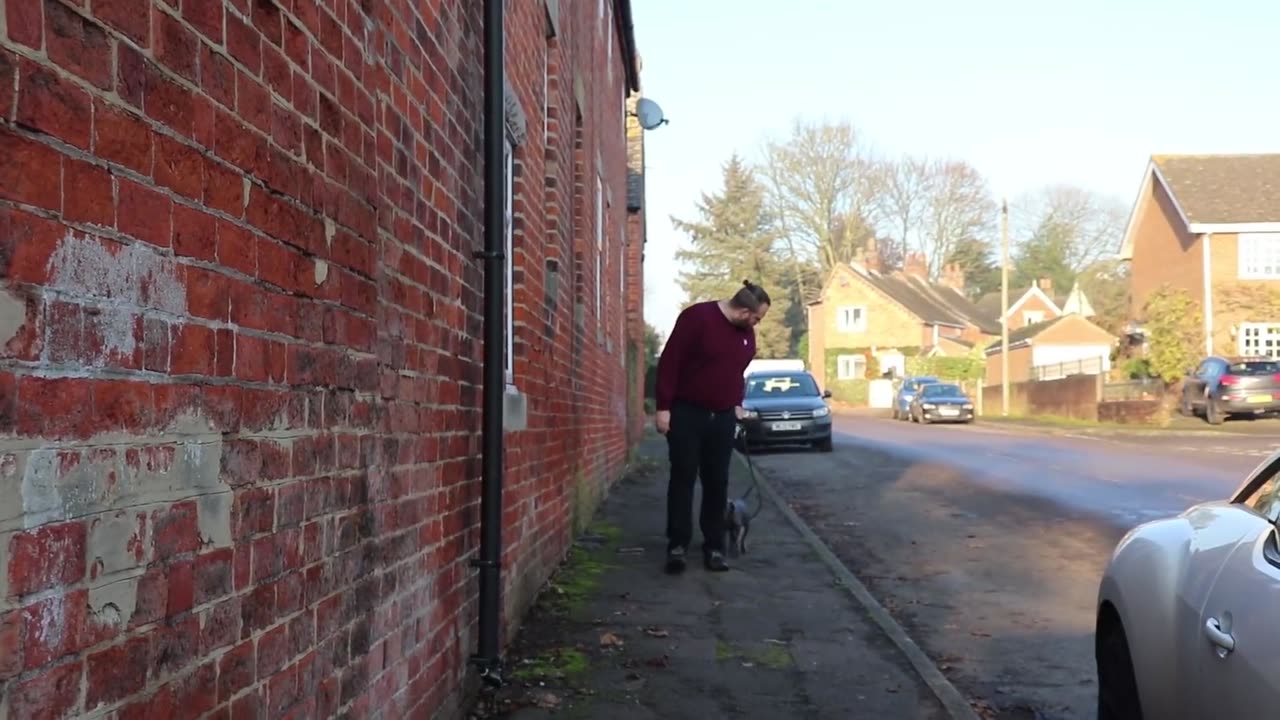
987, 542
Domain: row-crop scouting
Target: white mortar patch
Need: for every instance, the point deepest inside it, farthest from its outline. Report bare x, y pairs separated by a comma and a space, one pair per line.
116, 481
119, 285
13, 315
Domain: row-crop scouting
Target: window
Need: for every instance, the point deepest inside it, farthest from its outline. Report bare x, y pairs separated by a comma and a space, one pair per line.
1265, 500
852, 319
599, 246
1031, 317
509, 216
1259, 339
851, 367
1259, 256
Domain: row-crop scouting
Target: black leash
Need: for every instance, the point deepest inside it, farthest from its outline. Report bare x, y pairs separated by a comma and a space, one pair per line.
739, 431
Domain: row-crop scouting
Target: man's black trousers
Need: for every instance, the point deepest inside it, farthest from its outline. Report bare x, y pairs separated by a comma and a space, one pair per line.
699, 443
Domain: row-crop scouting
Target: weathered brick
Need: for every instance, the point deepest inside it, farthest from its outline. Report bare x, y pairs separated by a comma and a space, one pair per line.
31, 172
176, 47
129, 17
77, 44
121, 137
144, 213
53, 693
88, 193
206, 18
116, 673
179, 167
25, 21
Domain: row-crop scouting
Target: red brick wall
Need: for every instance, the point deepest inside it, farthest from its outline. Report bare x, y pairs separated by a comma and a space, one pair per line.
240, 348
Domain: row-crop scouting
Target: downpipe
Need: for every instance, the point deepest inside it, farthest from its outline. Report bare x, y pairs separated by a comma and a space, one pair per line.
489, 561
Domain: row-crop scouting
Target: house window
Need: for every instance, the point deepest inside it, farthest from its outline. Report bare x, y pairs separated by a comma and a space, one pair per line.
1259, 339
1259, 256
851, 367
599, 247
1031, 317
851, 319
508, 162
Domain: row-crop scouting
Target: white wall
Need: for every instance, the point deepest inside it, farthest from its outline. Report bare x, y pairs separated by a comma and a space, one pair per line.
1042, 355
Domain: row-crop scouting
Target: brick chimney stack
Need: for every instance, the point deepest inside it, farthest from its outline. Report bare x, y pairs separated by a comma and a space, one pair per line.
953, 277
872, 261
915, 264
1046, 285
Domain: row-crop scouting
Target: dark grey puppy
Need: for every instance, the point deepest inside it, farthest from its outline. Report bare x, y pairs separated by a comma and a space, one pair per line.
737, 522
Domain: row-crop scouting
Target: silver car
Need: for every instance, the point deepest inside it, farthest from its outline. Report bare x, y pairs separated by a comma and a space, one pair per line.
1188, 621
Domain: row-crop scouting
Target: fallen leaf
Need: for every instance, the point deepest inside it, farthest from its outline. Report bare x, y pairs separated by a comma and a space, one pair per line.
658, 662
610, 640
546, 700
656, 632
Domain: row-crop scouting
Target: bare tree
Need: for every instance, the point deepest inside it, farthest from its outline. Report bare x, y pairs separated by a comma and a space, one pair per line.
824, 188
903, 199
1089, 224
958, 205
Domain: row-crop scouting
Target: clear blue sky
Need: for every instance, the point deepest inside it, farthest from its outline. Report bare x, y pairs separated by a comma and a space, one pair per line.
1031, 93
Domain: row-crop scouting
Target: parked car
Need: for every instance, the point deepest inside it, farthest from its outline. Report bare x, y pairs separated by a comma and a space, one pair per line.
1186, 611
786, 408
1224, 386
906, 391
941, 402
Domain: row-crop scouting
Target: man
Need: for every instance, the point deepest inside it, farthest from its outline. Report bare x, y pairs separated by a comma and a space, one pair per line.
699, 400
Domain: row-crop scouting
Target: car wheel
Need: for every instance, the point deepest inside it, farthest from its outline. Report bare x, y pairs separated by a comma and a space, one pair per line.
824, 445
1117, 686
1213, 414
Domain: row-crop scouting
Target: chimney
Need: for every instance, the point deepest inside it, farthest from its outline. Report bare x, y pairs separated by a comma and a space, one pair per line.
873, 255
1047, 286
914, 264
953, 277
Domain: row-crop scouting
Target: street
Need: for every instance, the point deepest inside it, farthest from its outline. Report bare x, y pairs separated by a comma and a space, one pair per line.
986, 542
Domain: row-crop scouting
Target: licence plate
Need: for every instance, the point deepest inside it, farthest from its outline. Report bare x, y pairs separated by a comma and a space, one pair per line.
948, 411
784, 426
1259, 399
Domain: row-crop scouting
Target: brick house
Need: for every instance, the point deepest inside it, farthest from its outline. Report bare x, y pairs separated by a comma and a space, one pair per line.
1069, 344
240, 343
862, 309
1210, 225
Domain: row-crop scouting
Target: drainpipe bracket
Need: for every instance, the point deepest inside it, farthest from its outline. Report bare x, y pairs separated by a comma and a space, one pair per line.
490, 670
479, 563
488, 254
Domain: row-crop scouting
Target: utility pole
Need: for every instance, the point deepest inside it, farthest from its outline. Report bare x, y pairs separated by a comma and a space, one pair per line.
1004, 308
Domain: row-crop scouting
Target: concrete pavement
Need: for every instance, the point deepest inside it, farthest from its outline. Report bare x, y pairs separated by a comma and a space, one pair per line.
779, 636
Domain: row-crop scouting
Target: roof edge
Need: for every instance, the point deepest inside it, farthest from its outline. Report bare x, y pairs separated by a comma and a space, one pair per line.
627, 29
1246, 227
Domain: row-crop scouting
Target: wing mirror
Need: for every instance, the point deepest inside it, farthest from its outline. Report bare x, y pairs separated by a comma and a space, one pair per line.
826, 394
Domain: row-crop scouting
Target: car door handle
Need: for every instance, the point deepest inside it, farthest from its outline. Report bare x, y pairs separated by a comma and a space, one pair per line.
1222, 640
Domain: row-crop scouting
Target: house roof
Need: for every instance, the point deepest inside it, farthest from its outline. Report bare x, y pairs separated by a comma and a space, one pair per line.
932, 302
1026, 333
1223, 189
989, 304
1214, 193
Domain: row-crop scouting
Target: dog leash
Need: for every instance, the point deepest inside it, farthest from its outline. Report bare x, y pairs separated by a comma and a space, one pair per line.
751, 470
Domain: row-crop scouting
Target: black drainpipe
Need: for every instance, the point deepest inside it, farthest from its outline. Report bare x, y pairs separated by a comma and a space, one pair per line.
494, 345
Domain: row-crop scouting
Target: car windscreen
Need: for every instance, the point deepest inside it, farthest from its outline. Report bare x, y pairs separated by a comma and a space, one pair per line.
1254, 367
936, 390
781, 386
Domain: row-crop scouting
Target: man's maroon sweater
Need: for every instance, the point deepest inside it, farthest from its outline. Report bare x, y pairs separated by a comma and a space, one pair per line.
704, 359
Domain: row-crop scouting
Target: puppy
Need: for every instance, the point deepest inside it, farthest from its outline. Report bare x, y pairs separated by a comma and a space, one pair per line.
737, 521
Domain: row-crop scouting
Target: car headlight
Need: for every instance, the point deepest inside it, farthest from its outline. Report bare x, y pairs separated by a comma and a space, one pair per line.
928, 406
822, 412
968, 406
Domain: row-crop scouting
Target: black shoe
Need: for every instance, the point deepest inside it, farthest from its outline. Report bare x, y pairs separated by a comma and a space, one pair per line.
714, 560
675, 561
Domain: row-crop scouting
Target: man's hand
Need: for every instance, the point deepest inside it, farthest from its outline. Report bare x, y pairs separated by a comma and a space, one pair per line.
663, 421
741, 413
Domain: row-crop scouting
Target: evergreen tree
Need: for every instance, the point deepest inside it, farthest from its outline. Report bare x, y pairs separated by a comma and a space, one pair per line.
979, 264
734, 240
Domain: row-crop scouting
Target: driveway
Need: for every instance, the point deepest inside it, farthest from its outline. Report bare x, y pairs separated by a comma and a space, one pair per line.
987, 543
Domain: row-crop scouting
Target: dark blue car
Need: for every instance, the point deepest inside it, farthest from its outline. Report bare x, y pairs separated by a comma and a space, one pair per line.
902, 399
786, 407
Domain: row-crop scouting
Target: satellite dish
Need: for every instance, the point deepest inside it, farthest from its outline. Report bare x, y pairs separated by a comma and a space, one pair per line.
649, 114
